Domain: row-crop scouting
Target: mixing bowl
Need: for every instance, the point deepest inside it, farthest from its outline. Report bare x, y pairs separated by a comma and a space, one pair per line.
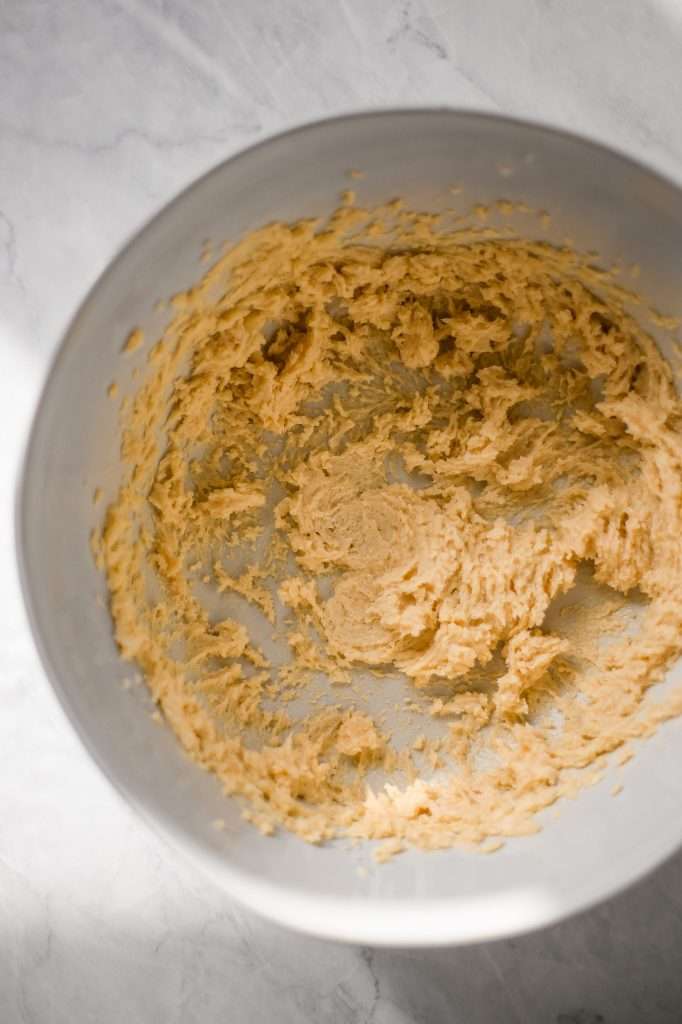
597, 844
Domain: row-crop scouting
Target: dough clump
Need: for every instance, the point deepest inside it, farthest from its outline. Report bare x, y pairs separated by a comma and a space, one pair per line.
397, 547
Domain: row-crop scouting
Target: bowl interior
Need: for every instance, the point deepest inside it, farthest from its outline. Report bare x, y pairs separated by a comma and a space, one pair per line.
596, 844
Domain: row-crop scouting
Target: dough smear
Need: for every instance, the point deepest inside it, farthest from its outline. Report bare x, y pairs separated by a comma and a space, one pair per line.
397, 546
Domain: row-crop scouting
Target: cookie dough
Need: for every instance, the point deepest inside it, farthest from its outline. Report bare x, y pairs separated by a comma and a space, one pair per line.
389, 451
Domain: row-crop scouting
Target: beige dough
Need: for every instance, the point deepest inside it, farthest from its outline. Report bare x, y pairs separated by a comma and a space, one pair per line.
401, 446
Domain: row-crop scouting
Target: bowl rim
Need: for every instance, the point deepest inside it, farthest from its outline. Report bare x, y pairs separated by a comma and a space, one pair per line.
394, 923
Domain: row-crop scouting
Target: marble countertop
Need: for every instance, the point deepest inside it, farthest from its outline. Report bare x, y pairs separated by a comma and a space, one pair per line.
106, 110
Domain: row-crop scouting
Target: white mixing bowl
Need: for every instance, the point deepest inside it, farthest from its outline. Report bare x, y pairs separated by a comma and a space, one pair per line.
598, 844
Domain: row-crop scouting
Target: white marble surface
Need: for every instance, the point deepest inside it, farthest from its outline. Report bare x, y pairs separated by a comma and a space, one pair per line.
106, 109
